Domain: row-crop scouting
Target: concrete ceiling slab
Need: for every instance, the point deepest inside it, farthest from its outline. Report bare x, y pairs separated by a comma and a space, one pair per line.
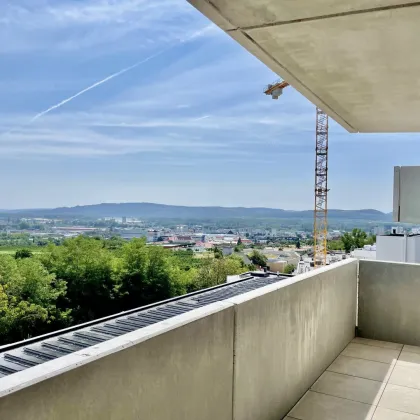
357, 60
248, 13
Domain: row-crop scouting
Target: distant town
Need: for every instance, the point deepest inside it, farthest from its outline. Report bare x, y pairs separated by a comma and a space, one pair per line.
281, 246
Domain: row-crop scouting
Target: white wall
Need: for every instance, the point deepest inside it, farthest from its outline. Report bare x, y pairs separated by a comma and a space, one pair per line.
413, 249
406, 194
390, 248
398, 248
363, 254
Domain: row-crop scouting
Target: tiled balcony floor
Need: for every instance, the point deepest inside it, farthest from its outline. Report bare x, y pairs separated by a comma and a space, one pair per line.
369, 380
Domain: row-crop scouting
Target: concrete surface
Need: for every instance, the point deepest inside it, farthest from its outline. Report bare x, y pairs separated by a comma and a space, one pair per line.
362, 351
287, 334
378, 343
351, 387
367, 369
385, 414
408, 357
393, 393
398, 248
179, 372
406, 202
249, 357
401, 398
389, 301
354, 59
316, 406
405, 375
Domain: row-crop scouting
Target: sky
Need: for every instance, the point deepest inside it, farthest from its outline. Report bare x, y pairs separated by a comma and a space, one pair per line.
187, 124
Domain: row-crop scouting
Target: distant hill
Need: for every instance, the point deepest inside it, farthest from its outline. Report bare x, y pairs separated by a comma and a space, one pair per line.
156, 211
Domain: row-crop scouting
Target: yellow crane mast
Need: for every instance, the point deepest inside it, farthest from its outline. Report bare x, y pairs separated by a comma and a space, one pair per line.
321, 177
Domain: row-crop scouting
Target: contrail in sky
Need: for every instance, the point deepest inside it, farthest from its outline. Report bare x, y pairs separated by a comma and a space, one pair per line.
101, 82
107, 79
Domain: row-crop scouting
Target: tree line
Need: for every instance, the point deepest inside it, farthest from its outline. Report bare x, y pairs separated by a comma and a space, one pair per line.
357, 238
88, 278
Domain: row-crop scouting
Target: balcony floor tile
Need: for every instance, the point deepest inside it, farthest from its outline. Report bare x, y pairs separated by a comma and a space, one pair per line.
401, 398
411, 349
376, 343
365, 382
361, 368
377, 354
369, 381
409, 358
386, 414
407, 374
316, 406
349, 387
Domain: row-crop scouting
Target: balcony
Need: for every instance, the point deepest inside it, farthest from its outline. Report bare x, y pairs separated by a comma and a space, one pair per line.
285, 350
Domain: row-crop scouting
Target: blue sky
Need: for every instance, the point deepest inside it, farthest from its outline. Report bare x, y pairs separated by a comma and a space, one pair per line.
190, 126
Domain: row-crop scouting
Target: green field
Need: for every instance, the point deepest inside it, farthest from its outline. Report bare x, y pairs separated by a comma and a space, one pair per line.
13, 249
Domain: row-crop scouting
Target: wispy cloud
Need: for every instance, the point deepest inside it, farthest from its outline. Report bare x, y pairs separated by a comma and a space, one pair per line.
184, 39
70, 25
190, 123
208, 98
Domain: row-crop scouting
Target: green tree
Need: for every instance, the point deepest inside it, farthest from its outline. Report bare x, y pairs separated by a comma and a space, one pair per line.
28, 296
289, 269
371, 240
347, 241
359, 238
298, 244
239, 246
114, 242
146, 274
23, 253
258, 258
215, 272
91, 273
183, 281
335, 245
185, 260
355, 239
24, 225
218, 253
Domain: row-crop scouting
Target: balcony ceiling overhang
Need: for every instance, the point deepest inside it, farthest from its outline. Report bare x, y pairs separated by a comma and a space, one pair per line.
358, 60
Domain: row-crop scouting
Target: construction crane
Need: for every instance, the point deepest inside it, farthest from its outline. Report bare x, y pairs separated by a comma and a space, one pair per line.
321, 177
